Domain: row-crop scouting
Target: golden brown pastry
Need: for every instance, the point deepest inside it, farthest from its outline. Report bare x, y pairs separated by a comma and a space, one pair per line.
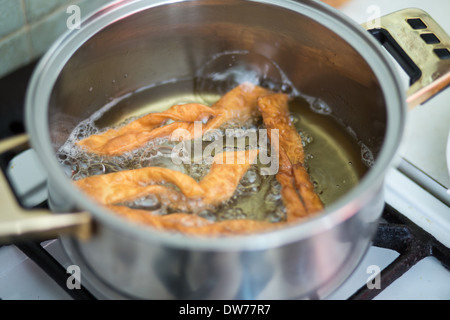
128, 185
236, 106
138, 132
192, 224
297, 189
180, 192
227, 170
217, 186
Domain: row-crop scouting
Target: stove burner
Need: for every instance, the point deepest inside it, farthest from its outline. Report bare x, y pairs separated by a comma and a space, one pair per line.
395, 232
413, 244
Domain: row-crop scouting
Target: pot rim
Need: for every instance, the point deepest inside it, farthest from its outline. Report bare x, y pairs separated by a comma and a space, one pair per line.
51, 64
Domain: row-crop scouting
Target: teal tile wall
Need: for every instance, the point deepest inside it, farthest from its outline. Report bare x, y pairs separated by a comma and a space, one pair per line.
29, 27
12, 16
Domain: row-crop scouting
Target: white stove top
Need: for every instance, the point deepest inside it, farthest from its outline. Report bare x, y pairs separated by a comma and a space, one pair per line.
424, 146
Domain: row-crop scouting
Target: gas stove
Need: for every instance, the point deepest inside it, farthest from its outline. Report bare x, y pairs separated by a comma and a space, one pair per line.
410, 254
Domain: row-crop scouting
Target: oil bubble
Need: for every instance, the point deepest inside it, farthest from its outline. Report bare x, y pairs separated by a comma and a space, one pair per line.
319, 106
367, 156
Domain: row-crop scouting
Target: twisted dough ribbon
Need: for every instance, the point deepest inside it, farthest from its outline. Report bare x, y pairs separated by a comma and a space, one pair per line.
297, 190
238, 105
215, 188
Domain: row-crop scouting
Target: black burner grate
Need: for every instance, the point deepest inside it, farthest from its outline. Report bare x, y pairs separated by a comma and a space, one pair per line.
411, 242
396, 232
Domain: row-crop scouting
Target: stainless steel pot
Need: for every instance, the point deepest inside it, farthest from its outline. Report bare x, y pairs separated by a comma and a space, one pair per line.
137, 43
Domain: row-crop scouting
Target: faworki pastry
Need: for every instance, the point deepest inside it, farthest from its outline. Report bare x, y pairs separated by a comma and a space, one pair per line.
184, 196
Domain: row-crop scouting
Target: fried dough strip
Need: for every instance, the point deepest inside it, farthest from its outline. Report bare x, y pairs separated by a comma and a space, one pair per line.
275, 113
140, 131
192, 224
239, 104
217, 186
226, 172
295, 208
305, 187
129, 185
297, 189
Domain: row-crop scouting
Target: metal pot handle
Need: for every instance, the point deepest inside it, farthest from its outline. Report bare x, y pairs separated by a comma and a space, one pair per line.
17, 223
420, 46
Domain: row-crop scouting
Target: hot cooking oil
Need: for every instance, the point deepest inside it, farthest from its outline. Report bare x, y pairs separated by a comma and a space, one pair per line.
333, 155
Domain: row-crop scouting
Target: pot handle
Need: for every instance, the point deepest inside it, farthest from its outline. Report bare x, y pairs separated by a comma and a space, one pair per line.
17, 223
420, 46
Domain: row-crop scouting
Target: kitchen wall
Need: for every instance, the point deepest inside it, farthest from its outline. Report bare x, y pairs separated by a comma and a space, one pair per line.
29, 27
